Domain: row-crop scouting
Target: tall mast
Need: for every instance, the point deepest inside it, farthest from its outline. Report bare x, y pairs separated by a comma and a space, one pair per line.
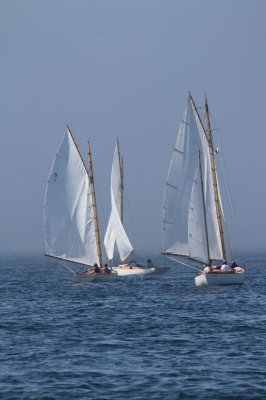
214, 177
94, 207
121, 164
204, 208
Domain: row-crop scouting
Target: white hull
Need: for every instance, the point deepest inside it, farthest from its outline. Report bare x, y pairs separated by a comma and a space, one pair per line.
220, 278
126, 270
79, 278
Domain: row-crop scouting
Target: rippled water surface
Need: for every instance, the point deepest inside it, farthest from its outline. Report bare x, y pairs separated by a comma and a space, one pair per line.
157, 337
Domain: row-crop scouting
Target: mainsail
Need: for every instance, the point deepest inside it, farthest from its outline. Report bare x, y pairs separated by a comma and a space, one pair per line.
69, 222
191, 139
115, 231
197, 229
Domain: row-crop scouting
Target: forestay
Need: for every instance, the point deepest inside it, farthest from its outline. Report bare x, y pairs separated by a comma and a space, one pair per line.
178, 191
115, 231
68, 215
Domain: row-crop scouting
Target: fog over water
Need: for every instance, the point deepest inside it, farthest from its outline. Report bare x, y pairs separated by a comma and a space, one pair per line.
124, 68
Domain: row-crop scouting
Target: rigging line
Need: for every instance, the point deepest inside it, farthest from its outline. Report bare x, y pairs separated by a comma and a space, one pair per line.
129, 214
67, 267
181, 262
225, 179
144, 259
222, 177
227, 187
139, 256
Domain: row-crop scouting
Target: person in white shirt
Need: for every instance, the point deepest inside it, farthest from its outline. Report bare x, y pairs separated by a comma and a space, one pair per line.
225, 267
206, 269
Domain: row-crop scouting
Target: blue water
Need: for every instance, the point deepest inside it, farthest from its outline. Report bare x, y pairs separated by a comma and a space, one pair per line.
157, 337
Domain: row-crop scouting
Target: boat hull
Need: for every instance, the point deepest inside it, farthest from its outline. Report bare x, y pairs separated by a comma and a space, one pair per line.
219, 278
79, 278
126, 270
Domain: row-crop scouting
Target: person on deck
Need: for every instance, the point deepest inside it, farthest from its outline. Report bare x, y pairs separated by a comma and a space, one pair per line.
233, 265
96, 269
106, 270
216, 268
236, 268
225, 267
206, 269
149, 263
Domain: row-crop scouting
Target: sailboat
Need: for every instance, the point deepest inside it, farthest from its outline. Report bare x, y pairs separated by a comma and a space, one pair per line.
193, 219
115, 232
71, 224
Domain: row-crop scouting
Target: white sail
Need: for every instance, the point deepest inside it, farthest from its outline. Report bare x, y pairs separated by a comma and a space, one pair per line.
197, 233
69, 223
179, 184
215, 244
228, 255
115, 231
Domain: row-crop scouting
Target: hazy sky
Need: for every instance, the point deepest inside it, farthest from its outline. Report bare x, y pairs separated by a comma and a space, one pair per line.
123, 68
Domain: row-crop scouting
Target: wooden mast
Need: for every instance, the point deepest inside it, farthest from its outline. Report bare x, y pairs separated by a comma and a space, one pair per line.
204, 209
214, 177
94, 207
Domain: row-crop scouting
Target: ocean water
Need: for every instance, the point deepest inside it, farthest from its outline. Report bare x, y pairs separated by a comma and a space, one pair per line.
157, 337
